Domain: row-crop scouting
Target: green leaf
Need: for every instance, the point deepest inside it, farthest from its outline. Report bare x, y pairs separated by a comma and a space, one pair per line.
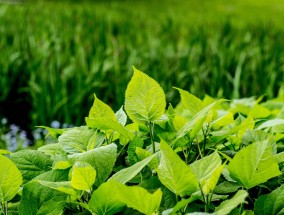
121, 116
39, 200
279, 157
175, 174
10, 179
101, 110
102, 159
105, 123
201, 115
134, 197
227, 118
190, 102
227, 187
142, 154
227, 206
208, 185
83, 176
53, 132
31, 163
271, 203
77, 139
135, 142
271, 123
102, 203
4, 152
62, 186
254, 164
52, 149
127, 174
145, 100
140, 199
204, 167
252, 136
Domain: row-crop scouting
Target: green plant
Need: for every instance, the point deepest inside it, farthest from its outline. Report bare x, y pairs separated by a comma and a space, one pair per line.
212, 156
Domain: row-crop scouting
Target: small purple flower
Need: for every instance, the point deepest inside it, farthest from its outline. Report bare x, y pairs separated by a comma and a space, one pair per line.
14, 128
55, 124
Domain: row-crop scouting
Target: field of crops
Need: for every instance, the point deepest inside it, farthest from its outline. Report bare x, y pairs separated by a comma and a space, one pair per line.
54, 56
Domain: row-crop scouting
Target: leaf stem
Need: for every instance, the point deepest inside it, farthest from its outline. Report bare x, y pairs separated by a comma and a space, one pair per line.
151, 130
199, 150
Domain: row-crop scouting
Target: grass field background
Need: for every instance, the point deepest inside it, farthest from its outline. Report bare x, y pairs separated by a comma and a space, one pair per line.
55, 55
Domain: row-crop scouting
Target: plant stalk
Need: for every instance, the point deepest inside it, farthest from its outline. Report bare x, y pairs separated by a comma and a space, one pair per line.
151, 129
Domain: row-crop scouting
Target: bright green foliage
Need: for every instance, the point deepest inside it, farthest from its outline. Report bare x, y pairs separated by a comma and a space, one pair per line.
109, 124
204, 167
100, 109
106, 199
102, 159
190, 102
165, 162
62, 186
254, 164
10, 179
175, 174
140, 199
198, 119
208, 185
145, 100
227, 206
134, 197
39, 199
83, 176
31, 163
271, 203
77, 140
127, 174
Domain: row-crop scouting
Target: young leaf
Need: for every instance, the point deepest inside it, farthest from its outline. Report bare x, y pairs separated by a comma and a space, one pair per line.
105, 123
271, 203
204, 167
102, 203
174, 173
121, 116
31, 163
140, 199
200, 115
142, 154
100, 109
190, 102
76, 140
254, 164
134, 197
83, 176
208, 185
62, 186
227, 206
10, 179
102, 159
127, 174
145, 100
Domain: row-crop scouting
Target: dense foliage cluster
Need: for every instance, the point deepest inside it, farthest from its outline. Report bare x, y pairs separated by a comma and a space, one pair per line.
209, 156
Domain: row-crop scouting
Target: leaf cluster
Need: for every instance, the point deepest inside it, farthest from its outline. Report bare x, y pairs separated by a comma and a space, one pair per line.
208, 156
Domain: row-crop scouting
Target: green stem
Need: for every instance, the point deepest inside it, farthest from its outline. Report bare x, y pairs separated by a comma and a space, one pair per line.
199, 150
151, 128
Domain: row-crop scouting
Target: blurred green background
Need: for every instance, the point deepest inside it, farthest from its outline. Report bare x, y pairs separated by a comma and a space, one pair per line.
54, 55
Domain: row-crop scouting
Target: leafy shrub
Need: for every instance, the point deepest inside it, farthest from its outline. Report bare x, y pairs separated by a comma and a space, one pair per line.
212, 156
